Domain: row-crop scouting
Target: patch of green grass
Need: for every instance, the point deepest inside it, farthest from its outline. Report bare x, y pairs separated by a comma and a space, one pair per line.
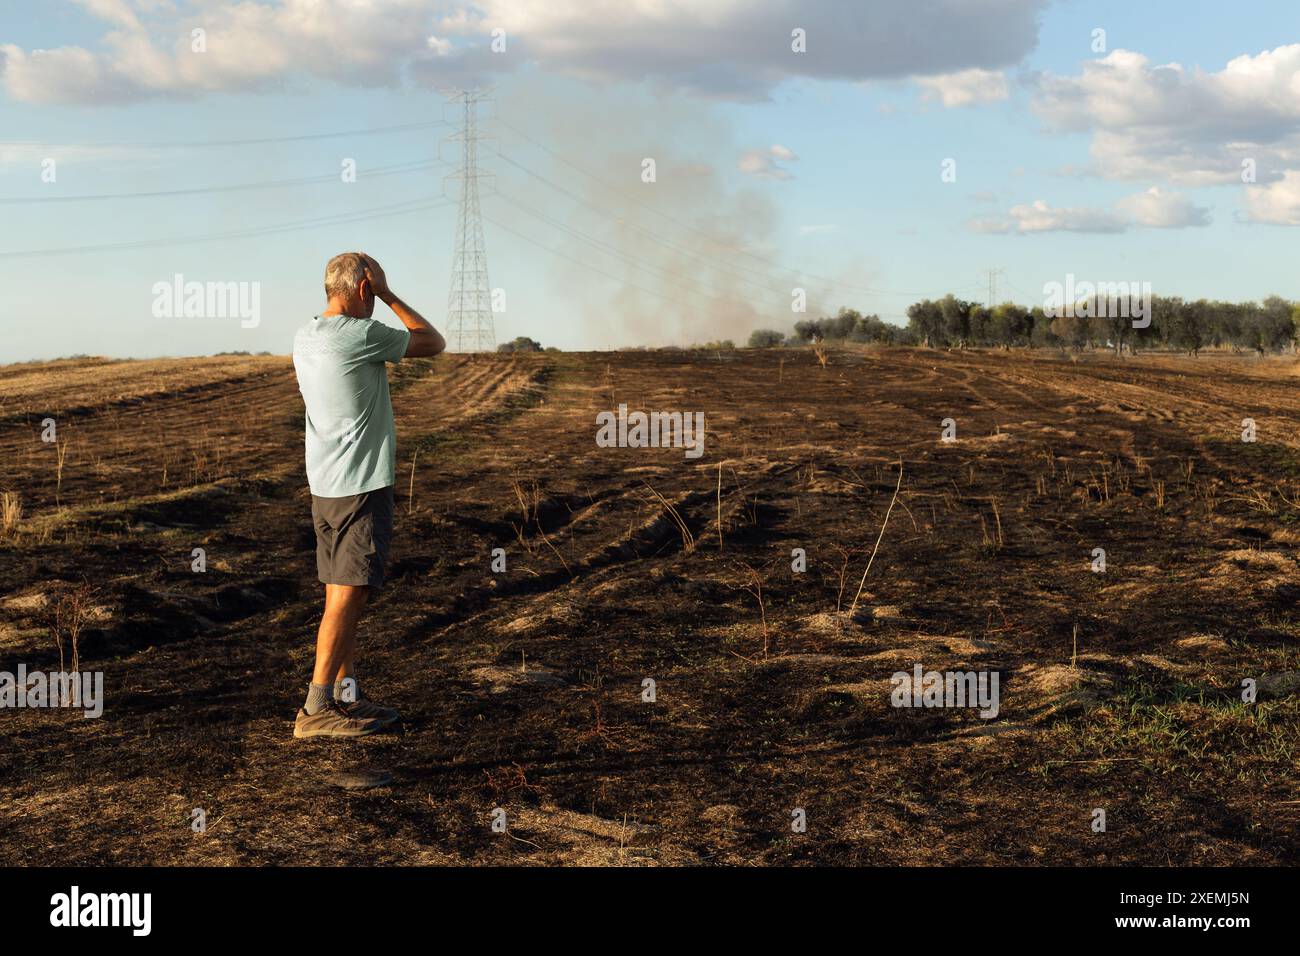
1183, 729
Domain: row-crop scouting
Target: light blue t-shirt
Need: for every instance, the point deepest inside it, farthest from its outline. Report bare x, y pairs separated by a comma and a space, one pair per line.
351, 437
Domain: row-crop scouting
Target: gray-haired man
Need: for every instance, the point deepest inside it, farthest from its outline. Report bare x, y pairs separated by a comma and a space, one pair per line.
341, 359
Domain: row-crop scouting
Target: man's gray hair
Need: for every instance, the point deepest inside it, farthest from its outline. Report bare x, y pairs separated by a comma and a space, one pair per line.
344, 273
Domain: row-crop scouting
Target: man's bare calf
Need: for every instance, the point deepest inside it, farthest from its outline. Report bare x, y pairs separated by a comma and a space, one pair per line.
336, 641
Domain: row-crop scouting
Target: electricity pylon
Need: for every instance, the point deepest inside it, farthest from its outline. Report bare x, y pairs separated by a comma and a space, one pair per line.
469, 298
993, 286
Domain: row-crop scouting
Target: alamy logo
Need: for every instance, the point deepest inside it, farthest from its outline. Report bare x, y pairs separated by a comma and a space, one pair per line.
179, 299
82, 689
655, 430
103, 909
351, 431
924, 688
1098, 300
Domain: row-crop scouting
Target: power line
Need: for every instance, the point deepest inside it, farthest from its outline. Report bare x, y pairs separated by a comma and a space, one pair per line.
395, 209
204, 144
412, 166
469, 293
1019, 291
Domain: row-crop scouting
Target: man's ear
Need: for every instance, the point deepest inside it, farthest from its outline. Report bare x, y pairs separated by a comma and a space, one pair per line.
365, 288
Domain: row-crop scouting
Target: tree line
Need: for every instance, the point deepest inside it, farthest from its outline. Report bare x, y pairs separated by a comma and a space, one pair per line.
1171, 323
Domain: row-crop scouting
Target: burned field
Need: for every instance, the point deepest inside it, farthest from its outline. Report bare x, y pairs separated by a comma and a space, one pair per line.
525, 689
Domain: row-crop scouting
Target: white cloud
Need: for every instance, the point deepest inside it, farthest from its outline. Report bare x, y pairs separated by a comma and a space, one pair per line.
736, 49
1155, 209
964, 88
1161, 209
763, 163
249, 46
991, 225
114, 11
1171, 124
1277, 203
1038, 216
812, 230
68, 74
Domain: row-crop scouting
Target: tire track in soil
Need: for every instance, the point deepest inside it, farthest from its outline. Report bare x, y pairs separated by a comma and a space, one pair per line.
240, 425
1202, 421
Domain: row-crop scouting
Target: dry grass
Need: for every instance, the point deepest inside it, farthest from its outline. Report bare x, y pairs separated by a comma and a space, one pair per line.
61, 454
11, 512
883, 525
753, 583
410, 485
688, 539
69, 611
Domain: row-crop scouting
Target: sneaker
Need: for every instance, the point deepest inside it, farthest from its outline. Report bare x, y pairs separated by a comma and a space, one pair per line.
366, 709
332, 721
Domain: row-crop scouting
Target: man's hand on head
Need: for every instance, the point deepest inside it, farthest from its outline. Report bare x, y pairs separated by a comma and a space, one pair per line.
424, 340
378, 281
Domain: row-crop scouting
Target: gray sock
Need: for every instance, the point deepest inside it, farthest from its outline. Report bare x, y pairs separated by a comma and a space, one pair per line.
354, 690
318, 698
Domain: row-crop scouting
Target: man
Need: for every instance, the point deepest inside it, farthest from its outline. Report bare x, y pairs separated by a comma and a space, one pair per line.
340, 357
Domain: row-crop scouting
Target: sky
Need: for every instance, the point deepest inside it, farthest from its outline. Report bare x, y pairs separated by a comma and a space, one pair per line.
868, 153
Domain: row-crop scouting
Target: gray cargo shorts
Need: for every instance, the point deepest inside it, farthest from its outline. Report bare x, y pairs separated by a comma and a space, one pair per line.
353, 535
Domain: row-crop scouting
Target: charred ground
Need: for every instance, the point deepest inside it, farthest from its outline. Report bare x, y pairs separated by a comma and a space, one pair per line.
523, 690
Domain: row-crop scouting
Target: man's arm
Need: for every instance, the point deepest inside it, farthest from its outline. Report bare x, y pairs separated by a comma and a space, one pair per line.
425, 339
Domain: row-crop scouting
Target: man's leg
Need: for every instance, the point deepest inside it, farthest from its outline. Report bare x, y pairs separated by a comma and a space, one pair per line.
336, 655
321, 716
348, 669
336, 641
365, 543
353, 536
